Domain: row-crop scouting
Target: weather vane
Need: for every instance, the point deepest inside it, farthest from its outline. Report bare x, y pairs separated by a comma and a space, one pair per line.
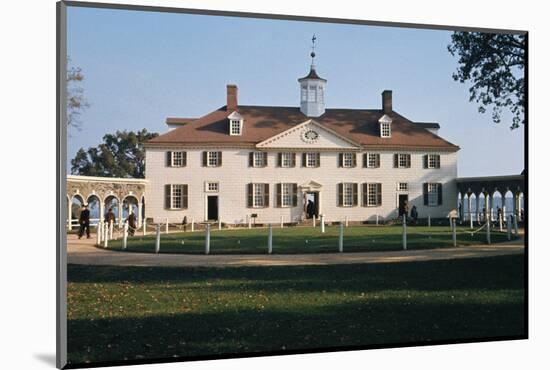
313, 47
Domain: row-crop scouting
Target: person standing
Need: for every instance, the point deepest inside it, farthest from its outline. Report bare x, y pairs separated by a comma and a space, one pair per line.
184, 223
84, 222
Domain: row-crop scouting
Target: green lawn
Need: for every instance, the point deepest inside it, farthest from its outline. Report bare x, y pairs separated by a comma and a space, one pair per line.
117, 313
307, 240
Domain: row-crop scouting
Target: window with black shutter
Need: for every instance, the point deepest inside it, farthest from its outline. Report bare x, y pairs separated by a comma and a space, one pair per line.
355, 194
294, 195
439, 194
167, 196
251, 159
266, 195
250, 195
395, 160
278, 194
340, 195
168, 159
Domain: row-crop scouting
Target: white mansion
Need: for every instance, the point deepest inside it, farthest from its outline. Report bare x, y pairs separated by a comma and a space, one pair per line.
241, 160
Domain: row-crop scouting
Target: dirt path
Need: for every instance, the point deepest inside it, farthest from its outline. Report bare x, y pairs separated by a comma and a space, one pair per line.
85, 253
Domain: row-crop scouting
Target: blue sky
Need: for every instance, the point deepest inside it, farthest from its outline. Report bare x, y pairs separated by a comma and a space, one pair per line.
141, 67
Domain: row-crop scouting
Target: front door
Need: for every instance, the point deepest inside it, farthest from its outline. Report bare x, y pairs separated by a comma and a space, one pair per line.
312, 206
403, 202
212, 204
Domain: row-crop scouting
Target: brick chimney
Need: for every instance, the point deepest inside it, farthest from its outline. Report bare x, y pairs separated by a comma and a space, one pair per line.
231, 98
386, 101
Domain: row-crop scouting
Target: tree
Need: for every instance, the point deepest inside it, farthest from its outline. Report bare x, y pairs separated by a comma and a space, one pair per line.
120, 155
494, 63
76, 102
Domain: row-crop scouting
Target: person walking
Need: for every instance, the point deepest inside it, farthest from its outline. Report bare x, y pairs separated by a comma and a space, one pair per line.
414, 214
110, 216
131, 224
84, 222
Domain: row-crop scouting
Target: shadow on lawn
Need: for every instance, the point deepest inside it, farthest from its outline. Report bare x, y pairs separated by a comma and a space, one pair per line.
428, 301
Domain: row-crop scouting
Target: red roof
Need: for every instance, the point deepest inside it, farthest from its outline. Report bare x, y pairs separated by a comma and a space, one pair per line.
263, 122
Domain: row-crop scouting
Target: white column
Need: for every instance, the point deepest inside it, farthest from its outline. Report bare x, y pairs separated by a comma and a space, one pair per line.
509, 227
106, 235
313, 220
70, 215
144, 227
192, 223
166, 225
282, 223
477, 208
157, 239
488, 228
111, 227
487, 208
322, 223
140, 214
219, 223
207, 240
125, 236
377, 219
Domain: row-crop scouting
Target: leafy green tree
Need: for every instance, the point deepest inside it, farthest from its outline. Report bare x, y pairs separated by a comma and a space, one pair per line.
494, 64
76, 101
120, 155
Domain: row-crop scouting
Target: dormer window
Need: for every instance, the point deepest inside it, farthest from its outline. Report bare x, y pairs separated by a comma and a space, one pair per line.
385, 126
235, 124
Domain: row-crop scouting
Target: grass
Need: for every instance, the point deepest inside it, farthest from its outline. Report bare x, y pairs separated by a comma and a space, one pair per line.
307, 240
118, 313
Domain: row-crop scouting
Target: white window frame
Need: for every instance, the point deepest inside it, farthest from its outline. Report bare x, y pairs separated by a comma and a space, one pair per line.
402, 160
347, 194
432, 160
347, 160
311, 159
372, 195
286, 194
212, 159
385, 129
433, 194
176, 159
236, 127
403, 186
303, 96
286, 159
258, 159
176, 196
374, 157
211, 186
258, 190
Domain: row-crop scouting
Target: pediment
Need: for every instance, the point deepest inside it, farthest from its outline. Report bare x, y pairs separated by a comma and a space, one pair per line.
309, 135
311, 185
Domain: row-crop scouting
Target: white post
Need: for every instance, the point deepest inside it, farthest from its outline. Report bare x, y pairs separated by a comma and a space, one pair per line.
140, 215
488, 232
509, 227
346, 220
106, 234
166, 225
405, 231
313, 220
111, 227
377, 220
500, 220
144, 227
99, 227
157, 240
341, 238
70, 216
516, 225
249, 221
219, 223
282, 224
270, 239
471, 221
192, 223
125, 235
207, 240
322, 223
454, 232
